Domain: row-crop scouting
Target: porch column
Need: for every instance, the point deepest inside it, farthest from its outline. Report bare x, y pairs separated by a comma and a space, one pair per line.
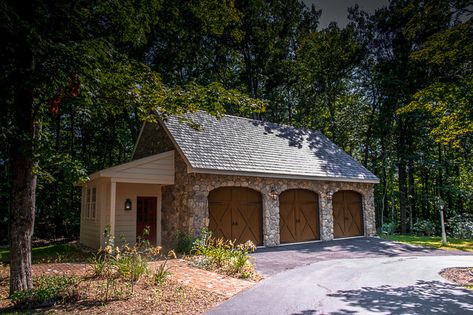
326, 216
113, 192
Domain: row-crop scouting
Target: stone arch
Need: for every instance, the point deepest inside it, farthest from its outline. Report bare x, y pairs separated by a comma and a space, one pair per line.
236, 213
348, 214
299, 215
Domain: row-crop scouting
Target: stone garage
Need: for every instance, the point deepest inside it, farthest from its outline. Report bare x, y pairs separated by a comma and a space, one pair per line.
243, 179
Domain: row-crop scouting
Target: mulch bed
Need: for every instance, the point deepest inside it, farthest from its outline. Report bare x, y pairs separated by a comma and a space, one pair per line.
171, 297
459, 275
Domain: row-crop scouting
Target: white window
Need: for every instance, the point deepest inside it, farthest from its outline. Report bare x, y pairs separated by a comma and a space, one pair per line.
90, 209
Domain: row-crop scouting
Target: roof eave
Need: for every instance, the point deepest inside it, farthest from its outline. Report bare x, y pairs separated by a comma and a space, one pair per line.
282, 175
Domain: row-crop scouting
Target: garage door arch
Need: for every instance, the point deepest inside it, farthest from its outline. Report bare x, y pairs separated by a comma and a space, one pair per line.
298, 216
236, 213
347, 214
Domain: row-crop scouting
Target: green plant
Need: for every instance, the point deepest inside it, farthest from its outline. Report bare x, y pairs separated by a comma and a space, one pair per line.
184, 242
48, 290
461, 226
98, 263
223, 255
424, 227
389, 228
161, 274
122, 267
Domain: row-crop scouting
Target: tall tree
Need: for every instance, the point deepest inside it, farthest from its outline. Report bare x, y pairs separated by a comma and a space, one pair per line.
58, 50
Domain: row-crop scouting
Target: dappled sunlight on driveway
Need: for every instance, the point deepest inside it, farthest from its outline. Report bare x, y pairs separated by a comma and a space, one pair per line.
424, 297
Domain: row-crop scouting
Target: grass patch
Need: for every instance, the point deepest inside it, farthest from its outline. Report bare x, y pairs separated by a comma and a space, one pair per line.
433, 241
50, 253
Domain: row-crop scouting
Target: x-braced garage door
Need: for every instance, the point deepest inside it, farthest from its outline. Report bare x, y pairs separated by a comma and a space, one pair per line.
235, 213
298, 216
347, 214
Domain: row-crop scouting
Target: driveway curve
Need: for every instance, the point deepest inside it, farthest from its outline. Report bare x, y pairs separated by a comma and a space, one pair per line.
270, 261
387, 285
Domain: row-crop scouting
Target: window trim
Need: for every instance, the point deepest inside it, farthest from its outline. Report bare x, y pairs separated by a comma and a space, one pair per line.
91, 203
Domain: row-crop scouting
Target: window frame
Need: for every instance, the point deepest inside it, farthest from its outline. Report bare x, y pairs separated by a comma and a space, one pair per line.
91, 203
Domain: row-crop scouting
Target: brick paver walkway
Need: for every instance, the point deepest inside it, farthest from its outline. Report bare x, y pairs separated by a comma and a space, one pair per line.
180, 271
203, 279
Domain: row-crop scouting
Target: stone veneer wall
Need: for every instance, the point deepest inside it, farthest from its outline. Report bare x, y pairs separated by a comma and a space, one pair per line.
185, 204
153, 140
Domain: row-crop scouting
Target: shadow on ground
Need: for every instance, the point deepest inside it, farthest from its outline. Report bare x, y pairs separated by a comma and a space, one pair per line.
425, 297
270, 261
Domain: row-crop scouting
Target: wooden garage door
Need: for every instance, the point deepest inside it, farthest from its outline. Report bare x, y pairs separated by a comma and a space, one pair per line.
235, 213
347, 214
299, 216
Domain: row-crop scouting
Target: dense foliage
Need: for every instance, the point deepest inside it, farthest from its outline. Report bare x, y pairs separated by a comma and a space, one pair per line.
393, 88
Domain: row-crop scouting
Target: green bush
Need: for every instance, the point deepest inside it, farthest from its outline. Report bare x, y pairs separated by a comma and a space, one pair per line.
184, 242
122, 267
461, 226
389, 228
424, 228
224, 255
48, 290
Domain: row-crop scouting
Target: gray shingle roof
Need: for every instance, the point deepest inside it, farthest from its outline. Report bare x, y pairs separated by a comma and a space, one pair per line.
240, 145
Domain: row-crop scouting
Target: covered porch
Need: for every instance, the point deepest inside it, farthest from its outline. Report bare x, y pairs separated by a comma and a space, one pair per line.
127, 199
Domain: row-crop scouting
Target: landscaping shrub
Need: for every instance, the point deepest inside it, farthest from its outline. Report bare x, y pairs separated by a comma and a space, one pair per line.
122, 267
161, 274
223, 255
424, 228
389, 228
184, 242
461, 226
48, 290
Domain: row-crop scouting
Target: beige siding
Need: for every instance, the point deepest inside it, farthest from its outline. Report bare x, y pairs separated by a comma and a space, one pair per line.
105, 207
90, 228
142, 177
158, 169
125, 221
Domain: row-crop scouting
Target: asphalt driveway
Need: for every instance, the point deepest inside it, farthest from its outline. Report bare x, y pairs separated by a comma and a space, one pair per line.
356, 276
270, 261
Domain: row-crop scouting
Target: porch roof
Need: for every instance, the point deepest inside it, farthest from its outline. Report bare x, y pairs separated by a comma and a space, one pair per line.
155, 169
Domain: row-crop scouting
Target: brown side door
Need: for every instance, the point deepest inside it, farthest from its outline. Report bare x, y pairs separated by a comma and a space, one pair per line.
146, 215
235, 213
298, 216
347, 214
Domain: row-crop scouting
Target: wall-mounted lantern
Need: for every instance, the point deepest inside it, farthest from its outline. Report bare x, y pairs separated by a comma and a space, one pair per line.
273, 194
128, 204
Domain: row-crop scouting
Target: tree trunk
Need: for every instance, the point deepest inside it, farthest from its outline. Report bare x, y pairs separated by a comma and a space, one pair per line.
412, 193
23, 178
369, 130
21, 221
402, 177
23, 191
402, 196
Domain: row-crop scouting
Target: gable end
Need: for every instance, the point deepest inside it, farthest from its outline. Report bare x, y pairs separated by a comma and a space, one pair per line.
153, 140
